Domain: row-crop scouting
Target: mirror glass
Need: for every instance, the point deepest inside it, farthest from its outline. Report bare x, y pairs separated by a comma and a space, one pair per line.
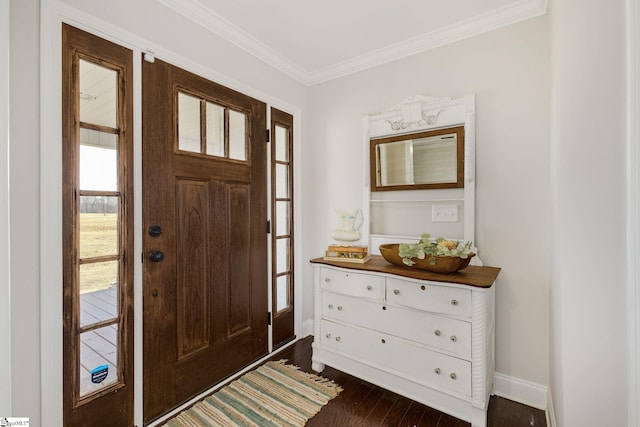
424, 160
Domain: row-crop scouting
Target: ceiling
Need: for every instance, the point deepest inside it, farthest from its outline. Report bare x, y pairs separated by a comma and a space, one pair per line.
318, 41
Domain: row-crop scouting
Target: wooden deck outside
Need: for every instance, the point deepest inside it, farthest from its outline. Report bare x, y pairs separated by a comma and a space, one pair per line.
98, 347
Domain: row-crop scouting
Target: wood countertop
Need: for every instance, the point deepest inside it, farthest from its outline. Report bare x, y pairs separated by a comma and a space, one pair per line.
473, 275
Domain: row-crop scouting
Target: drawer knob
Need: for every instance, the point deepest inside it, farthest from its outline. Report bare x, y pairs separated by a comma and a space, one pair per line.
384, 307
327, 280
338, 339
396, 292
454, 338
339, 308
369, 287
454, 302
423, 287
383, 341
437, 371
330, 306
453, 375
437, 332
328, 335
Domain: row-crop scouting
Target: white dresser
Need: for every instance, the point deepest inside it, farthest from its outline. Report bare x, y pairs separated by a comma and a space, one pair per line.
426, 336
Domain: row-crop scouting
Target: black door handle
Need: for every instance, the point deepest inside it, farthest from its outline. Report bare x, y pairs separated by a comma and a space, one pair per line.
155, 231
156, 256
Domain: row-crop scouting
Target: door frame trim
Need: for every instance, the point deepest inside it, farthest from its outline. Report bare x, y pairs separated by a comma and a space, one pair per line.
5, 268
52, 14
633, 210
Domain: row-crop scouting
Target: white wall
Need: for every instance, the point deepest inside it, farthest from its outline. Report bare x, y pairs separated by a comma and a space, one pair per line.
588, 316
509, 72
24, 159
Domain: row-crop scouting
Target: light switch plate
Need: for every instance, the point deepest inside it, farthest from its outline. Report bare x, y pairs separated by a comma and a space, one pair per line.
444, 213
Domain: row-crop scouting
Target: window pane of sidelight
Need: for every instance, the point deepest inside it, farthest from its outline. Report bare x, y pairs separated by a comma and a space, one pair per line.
215, 130
282, 292
282, 144
98, 359
189, 129
282, 255
282, 181
282, 218
98, 94
98, 226
98, 292
237, 135
98, 160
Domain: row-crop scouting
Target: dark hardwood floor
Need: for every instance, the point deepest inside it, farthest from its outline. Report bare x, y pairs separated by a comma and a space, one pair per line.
364, 404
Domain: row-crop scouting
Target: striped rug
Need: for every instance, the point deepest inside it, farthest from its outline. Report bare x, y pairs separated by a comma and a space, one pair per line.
275, 394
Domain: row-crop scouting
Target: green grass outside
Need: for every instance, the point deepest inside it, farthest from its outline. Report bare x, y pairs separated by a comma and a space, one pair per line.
98, 237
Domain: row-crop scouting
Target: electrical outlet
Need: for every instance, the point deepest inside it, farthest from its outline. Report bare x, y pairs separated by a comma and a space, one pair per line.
444, 213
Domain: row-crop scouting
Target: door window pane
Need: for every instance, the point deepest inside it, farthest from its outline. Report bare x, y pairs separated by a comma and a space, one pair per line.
98, 292
282, 144
98, 94
98, 359
282, 181
98, 161
282, 292
237, 135
282, 218
189, 129
98, 226
215, 130
282, 255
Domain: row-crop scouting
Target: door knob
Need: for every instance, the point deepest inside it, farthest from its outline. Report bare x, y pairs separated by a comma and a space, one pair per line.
156, 256
155, 231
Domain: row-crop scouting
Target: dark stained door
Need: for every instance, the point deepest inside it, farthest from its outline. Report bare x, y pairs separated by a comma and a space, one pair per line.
205, 238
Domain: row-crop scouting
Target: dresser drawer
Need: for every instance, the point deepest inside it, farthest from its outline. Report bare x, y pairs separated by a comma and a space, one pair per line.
398, 357
451, 335
349, 309
429, 297
354, 284
444, 333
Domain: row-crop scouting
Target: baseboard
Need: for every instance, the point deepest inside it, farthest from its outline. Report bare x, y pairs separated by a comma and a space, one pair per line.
551, 415
521, 391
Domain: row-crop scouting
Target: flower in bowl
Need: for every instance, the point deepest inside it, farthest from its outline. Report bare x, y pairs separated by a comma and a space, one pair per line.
432, 248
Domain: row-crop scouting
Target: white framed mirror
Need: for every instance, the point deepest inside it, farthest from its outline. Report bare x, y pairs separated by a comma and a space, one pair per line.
400, 211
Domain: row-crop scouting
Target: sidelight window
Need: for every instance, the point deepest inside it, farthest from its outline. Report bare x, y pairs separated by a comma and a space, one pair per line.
282, 220
97, 228
99, 231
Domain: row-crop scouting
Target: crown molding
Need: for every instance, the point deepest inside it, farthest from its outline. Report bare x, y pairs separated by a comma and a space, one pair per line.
492, 20
497, 18
205, 17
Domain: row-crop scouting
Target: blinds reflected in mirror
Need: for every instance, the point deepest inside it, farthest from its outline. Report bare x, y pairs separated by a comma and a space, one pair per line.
433, 159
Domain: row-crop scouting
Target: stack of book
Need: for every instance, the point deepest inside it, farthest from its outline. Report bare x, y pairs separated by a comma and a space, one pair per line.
358, 254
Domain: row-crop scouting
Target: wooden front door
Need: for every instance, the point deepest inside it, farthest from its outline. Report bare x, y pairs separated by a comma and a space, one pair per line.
205, 237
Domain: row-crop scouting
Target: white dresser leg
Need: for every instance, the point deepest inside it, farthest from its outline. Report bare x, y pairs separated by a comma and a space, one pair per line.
318, 367
478, 418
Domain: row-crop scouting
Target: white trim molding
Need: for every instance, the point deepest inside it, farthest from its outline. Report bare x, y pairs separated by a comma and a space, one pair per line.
497, 18
521, 391
550, 412
633, 211
5, 266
